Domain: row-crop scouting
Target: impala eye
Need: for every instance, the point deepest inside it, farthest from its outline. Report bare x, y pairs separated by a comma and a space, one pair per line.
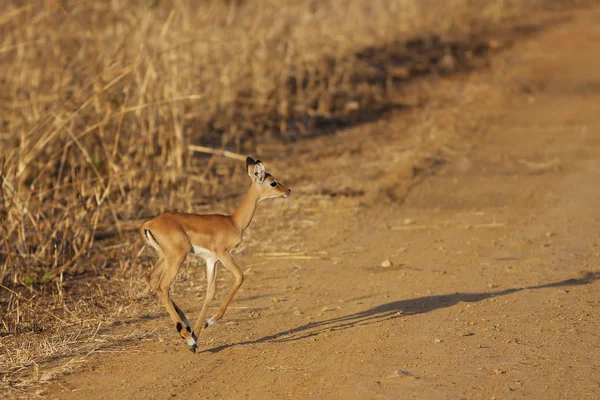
273, 184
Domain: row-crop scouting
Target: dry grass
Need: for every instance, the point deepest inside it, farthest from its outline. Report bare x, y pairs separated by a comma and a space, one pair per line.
101, 101
90, 321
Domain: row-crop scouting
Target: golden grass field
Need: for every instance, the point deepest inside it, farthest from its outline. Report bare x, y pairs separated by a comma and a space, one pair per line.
111, 112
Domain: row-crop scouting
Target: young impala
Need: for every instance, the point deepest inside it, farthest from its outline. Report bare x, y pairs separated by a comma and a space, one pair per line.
212, 237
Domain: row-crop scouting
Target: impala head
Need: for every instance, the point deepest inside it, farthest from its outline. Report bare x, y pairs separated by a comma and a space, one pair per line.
268, 186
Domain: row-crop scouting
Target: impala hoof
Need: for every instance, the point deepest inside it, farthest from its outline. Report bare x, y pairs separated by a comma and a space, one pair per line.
193, 348
209, 322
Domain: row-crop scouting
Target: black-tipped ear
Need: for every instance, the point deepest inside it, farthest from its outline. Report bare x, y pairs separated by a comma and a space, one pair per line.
250, 166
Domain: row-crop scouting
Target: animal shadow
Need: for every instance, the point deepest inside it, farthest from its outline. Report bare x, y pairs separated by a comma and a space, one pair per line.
395, 309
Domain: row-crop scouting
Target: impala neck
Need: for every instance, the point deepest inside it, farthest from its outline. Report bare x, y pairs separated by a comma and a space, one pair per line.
242, 216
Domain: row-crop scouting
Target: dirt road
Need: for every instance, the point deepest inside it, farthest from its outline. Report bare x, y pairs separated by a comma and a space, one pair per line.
486, 203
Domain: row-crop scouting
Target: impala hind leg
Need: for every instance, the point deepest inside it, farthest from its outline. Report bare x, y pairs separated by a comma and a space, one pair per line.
229, 263
186, 323
169, 271
156, 267
211, 289
149, 278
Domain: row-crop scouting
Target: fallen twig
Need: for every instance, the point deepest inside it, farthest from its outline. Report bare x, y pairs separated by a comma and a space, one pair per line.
492, 225
218, 152
298, 256
414, 227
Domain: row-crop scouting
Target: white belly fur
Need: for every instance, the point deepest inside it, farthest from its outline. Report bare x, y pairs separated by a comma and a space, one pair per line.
204, 253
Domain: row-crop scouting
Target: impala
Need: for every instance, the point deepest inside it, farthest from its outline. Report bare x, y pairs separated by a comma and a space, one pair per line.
174, 235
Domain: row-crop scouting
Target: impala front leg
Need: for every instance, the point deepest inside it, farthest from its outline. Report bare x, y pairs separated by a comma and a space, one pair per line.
211, 289
229, 263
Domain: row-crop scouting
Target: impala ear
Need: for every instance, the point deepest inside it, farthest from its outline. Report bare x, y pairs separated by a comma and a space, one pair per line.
255, 169
259, 171
250, 166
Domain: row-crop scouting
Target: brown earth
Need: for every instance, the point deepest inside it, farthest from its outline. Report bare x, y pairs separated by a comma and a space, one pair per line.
485, 201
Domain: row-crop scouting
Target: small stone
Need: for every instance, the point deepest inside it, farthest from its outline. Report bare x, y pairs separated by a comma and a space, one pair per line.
325, 309
275, 300
408, 221
403, 374
297, 312
386, 263
437, 341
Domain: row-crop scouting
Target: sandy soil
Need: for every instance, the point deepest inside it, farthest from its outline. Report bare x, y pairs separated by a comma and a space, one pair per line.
486, 203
